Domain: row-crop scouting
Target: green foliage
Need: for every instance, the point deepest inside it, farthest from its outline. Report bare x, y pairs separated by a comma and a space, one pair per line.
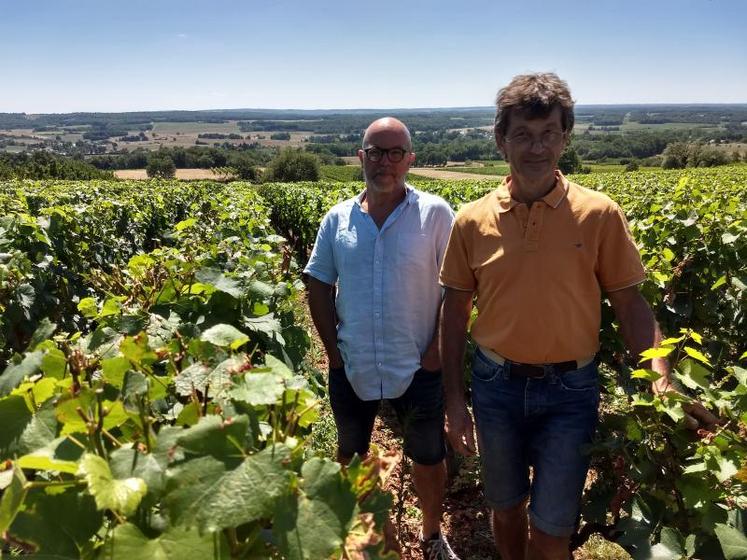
659, 492
161, 165
569, 161
44, 165
150, 355
679, 155
341, 173
632, 165
158, 423
671, 492
245, 167
292, 165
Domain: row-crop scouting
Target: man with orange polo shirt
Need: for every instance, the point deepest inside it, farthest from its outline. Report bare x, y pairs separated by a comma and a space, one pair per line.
538, 253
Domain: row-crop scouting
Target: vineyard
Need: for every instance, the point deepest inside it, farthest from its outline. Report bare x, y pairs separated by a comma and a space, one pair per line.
157, 393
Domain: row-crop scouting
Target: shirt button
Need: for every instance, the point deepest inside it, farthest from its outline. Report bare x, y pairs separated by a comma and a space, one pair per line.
377, 313
378, 364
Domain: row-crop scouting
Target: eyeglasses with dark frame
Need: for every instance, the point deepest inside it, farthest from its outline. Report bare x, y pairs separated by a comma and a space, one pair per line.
376, 154
548, 139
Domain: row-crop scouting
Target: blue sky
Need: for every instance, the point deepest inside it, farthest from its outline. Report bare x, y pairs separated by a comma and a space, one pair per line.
106, 55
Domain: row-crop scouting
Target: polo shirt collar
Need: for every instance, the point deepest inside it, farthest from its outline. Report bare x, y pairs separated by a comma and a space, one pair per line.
552, 199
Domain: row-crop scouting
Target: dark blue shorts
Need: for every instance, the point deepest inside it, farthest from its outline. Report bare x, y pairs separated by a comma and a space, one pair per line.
543, 423
420, 411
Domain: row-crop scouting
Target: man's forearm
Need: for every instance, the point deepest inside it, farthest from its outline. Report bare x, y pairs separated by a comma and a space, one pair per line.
322, 308
431, 358
455, 313
640, 331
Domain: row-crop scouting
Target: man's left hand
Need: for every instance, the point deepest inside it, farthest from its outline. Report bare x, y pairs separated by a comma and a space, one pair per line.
698, 416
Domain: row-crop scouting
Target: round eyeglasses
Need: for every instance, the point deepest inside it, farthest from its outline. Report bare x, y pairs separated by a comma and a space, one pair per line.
375, 154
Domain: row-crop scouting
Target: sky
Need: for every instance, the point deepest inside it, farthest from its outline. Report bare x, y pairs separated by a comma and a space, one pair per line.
109, 55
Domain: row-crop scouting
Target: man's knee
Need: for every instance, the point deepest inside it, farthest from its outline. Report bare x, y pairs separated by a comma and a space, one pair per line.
511, 515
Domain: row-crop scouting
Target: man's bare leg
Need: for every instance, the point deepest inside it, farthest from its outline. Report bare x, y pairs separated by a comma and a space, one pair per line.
511, 531
546, 547
430, 486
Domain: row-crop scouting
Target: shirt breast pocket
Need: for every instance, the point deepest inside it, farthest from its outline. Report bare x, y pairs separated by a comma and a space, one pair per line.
415, 251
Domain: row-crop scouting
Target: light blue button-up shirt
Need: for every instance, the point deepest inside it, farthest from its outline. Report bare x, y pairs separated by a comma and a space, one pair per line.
388, 295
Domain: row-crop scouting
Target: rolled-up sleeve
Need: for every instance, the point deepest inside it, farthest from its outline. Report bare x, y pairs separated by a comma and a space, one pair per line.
321, 264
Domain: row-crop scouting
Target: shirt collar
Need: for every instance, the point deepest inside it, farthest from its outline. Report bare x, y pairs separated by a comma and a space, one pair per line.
410, 195
552, 199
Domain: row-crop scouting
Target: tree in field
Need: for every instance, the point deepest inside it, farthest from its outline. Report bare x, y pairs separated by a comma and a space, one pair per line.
246, 168
675, 156
292, 165
679, 155
632, 165
569, 161
161, 166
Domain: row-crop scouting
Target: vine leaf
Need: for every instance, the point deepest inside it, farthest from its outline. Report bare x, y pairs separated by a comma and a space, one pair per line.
225, 335
58, 525
204, 493
128, 543
733, 542
13, 497
212, 435
660, 352
15, 373
121, 496
314, 523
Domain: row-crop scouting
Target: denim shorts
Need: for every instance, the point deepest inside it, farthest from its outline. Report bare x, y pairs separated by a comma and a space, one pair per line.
420, 411
543, 423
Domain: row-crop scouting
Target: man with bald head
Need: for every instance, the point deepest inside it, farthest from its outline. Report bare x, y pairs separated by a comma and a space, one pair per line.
382, 250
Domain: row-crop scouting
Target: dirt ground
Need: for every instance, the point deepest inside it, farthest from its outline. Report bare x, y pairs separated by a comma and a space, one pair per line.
436, 173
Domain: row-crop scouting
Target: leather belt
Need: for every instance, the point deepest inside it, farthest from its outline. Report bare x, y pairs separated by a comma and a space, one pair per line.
535, 371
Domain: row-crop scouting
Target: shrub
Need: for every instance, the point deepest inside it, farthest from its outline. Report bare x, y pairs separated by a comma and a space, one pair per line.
293, 165
160, 165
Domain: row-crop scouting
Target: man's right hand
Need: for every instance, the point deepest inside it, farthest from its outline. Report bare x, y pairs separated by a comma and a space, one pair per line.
335, 361
460, 430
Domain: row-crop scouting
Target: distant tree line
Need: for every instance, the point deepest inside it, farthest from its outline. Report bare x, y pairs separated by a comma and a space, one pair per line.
679, 155
355, 121
219, 136
43, 165
644, 144
188, 158
695, 114
134, 138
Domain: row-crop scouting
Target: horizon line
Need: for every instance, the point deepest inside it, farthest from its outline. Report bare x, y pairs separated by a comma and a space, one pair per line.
372, 109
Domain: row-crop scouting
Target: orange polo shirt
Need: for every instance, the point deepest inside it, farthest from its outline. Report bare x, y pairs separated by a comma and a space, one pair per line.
539, 272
